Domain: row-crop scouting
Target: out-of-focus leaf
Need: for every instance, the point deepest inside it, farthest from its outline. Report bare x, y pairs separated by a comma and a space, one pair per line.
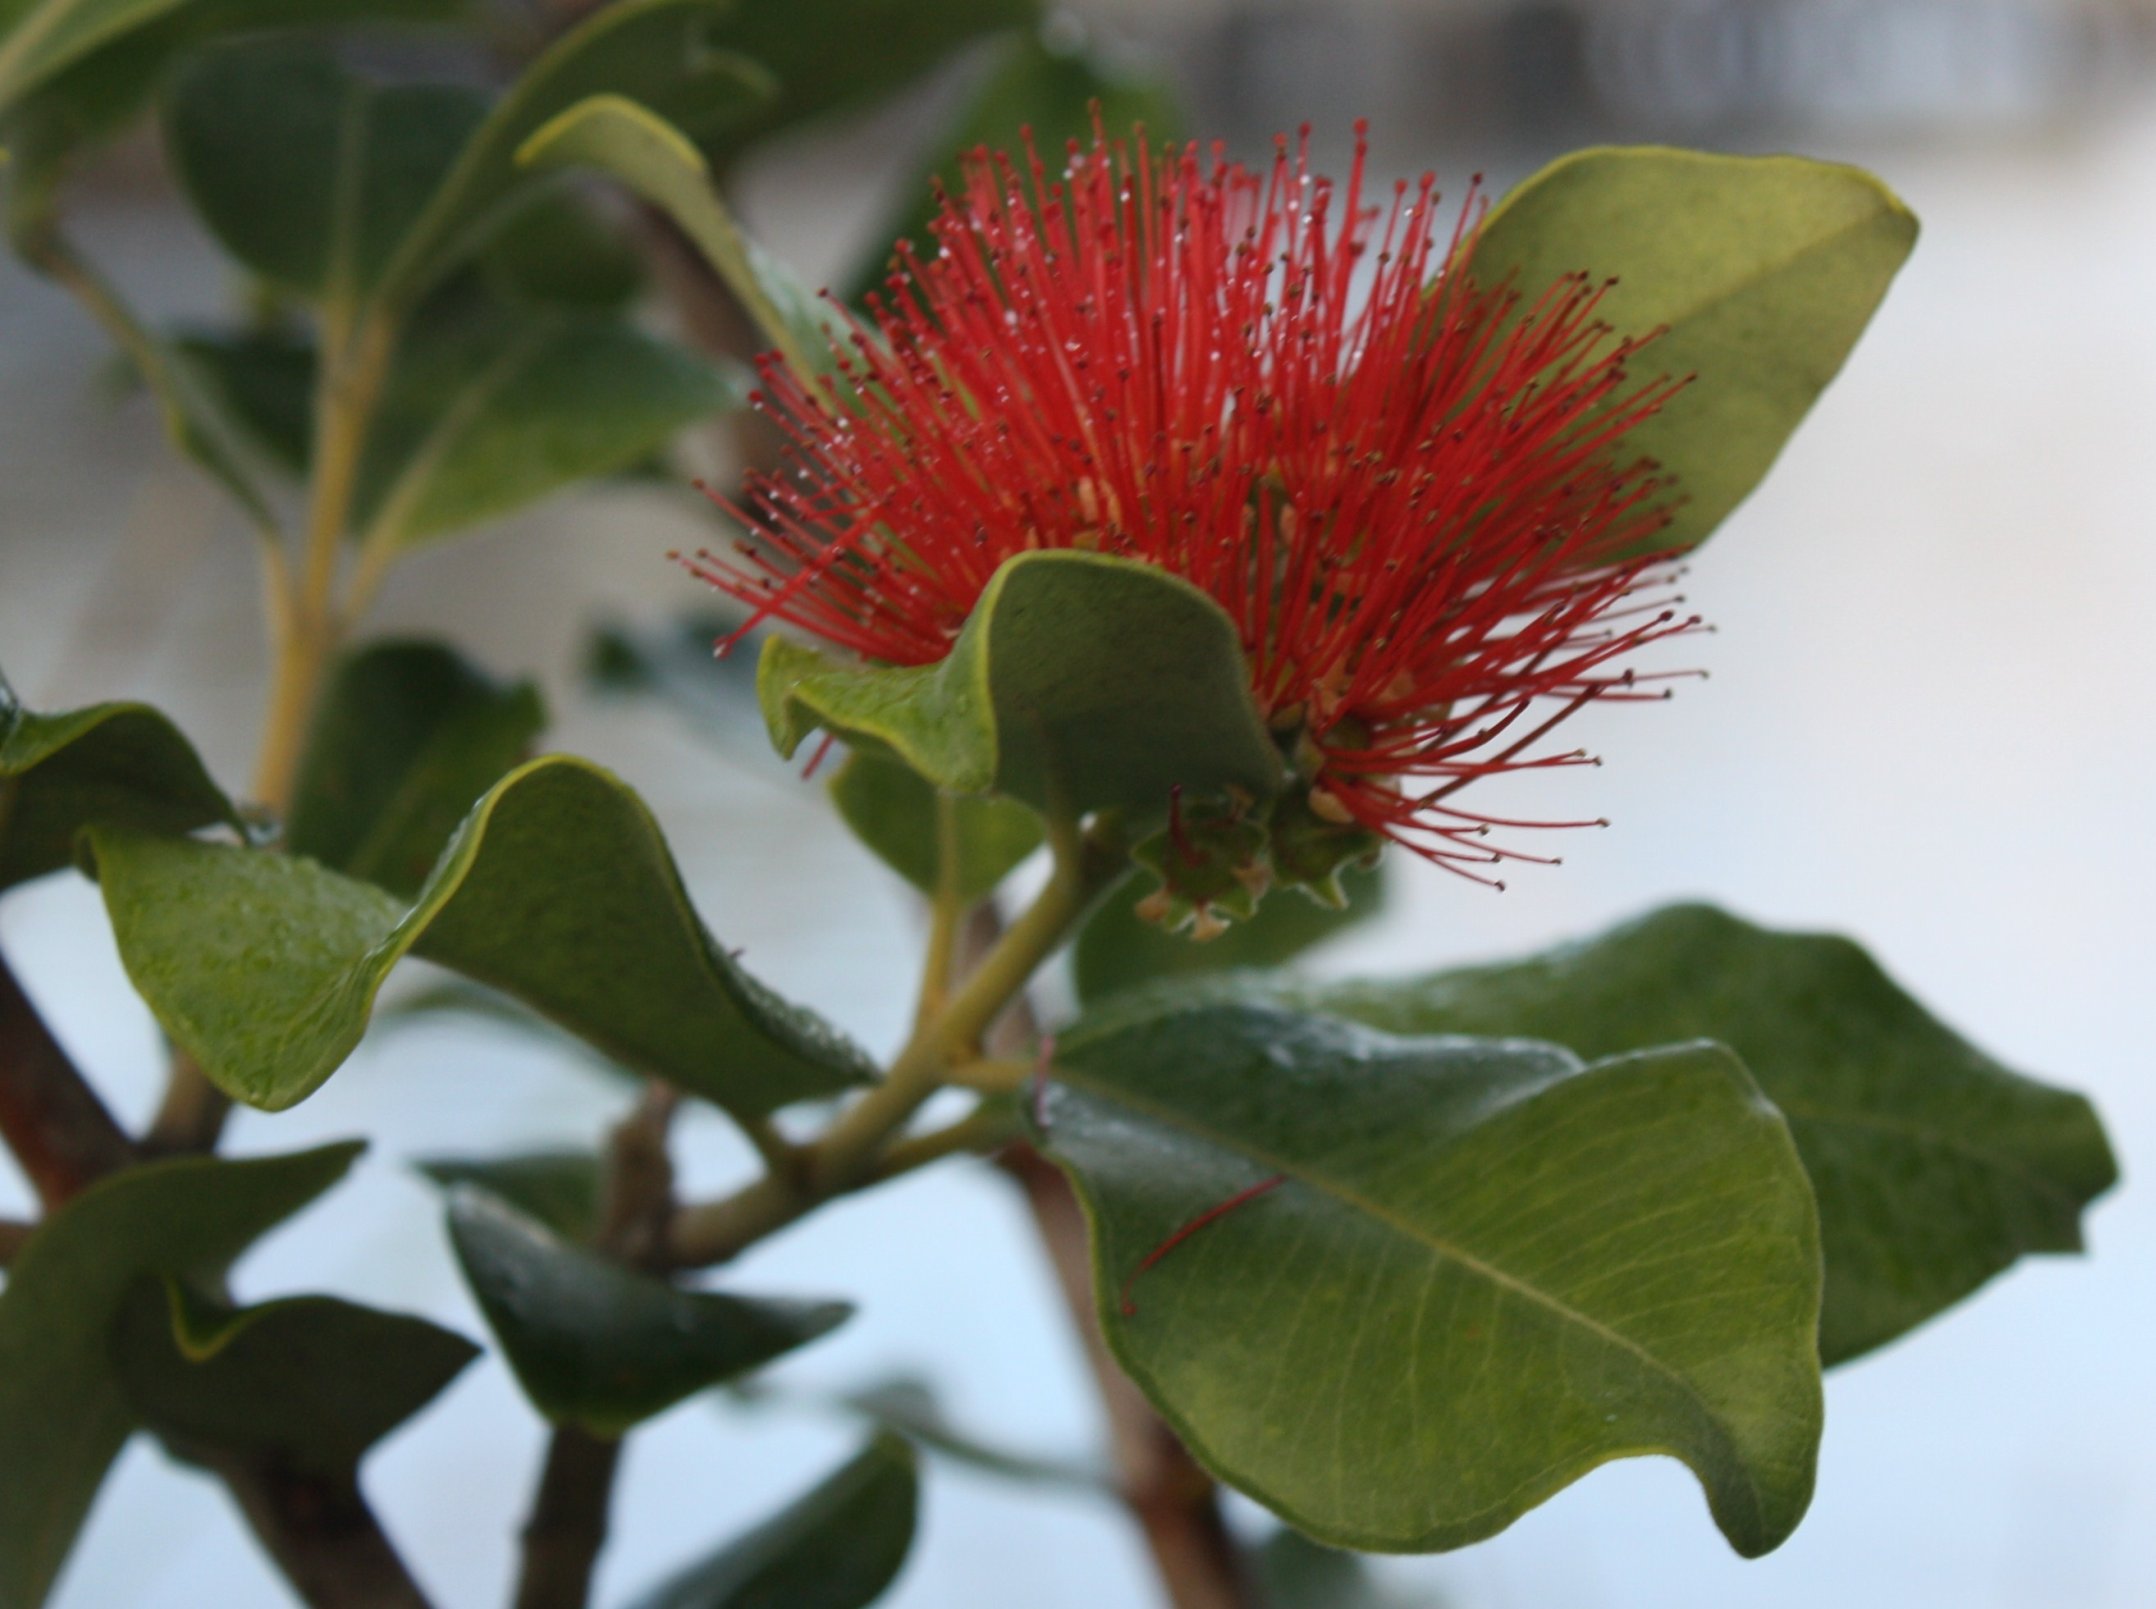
501, 411
1482, 1266
121, 765
910, 1408
42, 38
1297, 1573
667, 52
1117, 949
603, 1346
307, 173
555, 249
558, 889
559, 1190
408, 736
1039, 80
839, 1546
1764, 271
1080, 682
1935, 1166
262, 380
893, 811
310, 1382
828, 55
63, 1415
660, 163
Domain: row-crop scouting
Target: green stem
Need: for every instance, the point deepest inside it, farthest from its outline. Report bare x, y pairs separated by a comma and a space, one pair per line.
846, 1151
857, 1150
946, 915
354, 365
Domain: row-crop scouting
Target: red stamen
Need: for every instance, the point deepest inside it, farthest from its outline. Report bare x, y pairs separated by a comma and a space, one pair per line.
1211, 1215
1410, 491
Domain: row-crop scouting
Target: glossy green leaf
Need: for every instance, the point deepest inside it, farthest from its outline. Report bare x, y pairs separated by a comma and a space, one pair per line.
659, 162
560, 1190
408, 736
828, 55
1484, 1268
1765, 270
667, 52
310, 1381
1117, 949
1080, 682
603, 1346
893, 811
502, 409
307, 173
63, 1415
41, 38
839, 1546
1935, 1166
1038, 80
450, 998
121, 765
558, 889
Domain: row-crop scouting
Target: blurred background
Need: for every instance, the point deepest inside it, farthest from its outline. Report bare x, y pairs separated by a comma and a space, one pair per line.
1926, 725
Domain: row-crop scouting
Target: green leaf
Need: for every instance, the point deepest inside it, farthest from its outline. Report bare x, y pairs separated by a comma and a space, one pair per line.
893, 811
603, 1346
1935, 1167
40, 38
1080, 682
63, 1416
1401, 1290
910, 1409
674, 661
261, 381
1765, 270
307, 173
558, 890
310, 1381
560, 1190
556, 250
839, 1546
667, 52
828, 55
502, 409
408, 735
661, 164
1297, 1573
120, 765
1038, 80
1118, 949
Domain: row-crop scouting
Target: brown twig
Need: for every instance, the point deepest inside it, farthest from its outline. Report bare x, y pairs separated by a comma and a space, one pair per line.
49, 1115
568, 1521
191, 1117
323, 1536
14, 1235
1175, 1503
567, 1526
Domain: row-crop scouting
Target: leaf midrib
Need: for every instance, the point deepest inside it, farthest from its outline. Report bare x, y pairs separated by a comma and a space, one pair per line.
1354, 1201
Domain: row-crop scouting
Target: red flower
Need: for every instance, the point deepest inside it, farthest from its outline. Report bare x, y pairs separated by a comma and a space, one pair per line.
1409, 492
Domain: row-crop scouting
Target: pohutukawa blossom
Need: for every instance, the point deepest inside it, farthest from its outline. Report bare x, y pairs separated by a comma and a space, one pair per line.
1410, 492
